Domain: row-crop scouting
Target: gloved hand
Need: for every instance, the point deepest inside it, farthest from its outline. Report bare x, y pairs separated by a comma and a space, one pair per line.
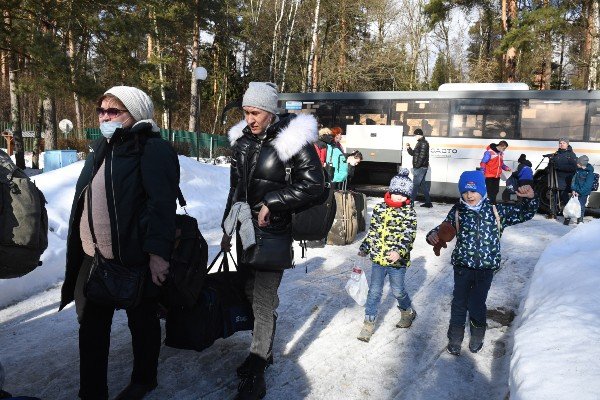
446, 233
226, 242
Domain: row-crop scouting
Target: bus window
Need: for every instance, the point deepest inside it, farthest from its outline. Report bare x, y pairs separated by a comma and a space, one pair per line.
594, 111
552, 119
429, 115
484, 118
362, 112
322, 110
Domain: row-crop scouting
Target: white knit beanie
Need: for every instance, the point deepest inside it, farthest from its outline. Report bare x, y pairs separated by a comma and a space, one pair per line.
261, 95
137, 102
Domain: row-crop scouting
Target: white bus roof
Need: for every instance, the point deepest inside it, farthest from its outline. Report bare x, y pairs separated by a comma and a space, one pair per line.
450, 87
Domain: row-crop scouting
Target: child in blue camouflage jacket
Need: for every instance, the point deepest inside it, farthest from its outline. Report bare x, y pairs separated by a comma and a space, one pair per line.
476, 257
388, 244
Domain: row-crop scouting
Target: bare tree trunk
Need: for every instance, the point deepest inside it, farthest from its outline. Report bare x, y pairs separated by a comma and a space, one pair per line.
313, 47
15, 113
3, 69
276, 35
547, 63
50, 136
161, 74
73, 70
37, 140
194, 122
509, 17
587, 45
340, 84
595, 46
287, 44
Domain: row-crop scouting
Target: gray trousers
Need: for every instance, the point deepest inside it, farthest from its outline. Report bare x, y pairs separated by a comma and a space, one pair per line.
261, 289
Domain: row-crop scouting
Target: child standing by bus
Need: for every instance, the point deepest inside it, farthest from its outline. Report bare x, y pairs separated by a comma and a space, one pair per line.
479, 225
388, 244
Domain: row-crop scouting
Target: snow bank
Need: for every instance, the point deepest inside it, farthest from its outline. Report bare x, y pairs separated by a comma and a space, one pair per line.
58, 186
557, 342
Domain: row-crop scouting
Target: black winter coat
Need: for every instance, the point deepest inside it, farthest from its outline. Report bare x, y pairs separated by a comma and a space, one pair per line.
420, 154
258, 168
142, 182
565, 165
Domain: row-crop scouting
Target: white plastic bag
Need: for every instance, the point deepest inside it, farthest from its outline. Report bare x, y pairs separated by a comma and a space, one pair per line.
572, 209
357, 286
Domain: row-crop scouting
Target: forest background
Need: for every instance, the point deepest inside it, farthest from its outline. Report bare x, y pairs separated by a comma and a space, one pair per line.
58, 56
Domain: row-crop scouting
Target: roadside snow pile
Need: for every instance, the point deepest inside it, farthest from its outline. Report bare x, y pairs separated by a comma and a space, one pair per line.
557, 342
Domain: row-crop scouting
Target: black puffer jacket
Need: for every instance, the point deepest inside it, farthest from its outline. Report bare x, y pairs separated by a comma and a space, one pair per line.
420, 154
258, 166
565, 164
142, 180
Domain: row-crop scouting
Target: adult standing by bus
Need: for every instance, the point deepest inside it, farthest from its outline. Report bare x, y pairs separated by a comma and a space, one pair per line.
565, 165
420, 161
123, 214
492, 165
265, 145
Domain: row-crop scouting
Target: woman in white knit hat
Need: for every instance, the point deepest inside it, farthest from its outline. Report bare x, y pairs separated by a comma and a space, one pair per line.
123, 217
264, 144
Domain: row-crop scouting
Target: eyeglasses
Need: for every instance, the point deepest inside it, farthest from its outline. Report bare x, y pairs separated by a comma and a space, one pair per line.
111, 112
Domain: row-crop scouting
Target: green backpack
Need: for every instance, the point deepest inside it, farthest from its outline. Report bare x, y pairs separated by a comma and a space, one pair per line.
23, 221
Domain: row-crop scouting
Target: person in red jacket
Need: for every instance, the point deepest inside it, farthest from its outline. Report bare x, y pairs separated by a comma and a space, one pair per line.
492, 165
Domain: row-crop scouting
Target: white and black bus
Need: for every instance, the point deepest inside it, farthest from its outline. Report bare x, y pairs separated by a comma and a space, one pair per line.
459, 121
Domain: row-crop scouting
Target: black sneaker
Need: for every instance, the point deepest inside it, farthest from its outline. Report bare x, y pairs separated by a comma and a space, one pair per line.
252, 387
427, 205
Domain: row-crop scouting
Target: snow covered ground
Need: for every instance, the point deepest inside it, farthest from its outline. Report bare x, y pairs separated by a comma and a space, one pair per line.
316, 352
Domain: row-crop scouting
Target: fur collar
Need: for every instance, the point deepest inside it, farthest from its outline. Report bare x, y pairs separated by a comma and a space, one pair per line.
300, 130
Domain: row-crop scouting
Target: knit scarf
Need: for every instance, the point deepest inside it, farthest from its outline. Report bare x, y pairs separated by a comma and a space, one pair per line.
396, 204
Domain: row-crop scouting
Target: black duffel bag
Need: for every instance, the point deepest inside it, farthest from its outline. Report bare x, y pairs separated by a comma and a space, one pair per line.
272, 252
222, 309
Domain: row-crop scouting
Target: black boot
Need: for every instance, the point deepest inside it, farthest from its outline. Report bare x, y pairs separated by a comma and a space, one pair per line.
456, 334
580, 220
253, 386
477, 335
244, 369
566, 221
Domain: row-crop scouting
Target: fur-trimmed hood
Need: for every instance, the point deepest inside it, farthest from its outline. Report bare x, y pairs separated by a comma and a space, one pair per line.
292, 132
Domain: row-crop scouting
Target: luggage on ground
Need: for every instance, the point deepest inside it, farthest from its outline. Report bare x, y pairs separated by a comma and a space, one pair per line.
222, 309
23, 221
345, 225
360, 199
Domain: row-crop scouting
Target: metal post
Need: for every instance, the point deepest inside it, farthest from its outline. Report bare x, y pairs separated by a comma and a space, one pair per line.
198, 122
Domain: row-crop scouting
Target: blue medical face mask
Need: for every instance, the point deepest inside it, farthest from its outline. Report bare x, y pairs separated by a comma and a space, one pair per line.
108, 128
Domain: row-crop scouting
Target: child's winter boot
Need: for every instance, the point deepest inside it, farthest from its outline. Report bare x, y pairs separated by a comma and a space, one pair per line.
367, 330
477, 335
253, 386
456, 334
406, 318
567, 221
580, 220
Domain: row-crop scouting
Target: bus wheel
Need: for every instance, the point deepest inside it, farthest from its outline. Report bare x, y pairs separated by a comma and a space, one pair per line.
541, 188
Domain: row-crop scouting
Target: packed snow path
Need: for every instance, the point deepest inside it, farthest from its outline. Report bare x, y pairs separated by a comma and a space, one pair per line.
317, 355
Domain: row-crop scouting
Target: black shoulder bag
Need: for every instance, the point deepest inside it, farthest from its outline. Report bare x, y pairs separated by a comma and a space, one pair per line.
109, 282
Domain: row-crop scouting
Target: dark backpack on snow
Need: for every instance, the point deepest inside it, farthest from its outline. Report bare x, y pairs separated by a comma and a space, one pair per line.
23, 221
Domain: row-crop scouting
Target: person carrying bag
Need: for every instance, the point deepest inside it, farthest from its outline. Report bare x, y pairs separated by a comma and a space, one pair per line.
263, 145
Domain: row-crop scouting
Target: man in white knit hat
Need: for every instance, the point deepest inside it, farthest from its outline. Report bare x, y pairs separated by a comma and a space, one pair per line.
123, 214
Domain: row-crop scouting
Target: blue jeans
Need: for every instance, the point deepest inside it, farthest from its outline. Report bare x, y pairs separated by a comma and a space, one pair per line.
582, 201
419, 181
378, 274
471, 287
